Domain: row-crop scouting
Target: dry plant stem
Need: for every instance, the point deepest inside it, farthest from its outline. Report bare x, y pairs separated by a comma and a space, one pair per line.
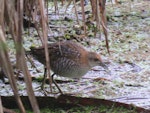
28, 81
98, 16
103, 17
116, 1
6, 64
2, 14
23, 65
83, 16
31, 62
38, 31
44, 28
47, 11
47, 19
130, 6
104, 21
75, 7
11, 19
62, 2
56, 6
1, 107
93, 5
69, 2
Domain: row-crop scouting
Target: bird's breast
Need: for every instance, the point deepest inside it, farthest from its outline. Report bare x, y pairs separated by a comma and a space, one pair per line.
68, 68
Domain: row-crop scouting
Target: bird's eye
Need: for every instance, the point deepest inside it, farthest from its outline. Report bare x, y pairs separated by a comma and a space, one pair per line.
95, 59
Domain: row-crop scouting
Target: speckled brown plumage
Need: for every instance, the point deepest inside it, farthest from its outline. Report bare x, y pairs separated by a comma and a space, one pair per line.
68, 59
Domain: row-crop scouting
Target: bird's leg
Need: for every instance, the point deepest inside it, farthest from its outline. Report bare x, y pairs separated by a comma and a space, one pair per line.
56, 83
44, 78
43, 82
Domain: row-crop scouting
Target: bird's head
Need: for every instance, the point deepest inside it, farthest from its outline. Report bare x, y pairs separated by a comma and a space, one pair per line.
95, 60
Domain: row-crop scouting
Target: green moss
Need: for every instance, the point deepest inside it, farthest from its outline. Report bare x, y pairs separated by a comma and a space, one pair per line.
87, 109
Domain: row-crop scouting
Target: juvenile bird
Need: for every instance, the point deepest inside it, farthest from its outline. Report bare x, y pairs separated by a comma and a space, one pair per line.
68, 59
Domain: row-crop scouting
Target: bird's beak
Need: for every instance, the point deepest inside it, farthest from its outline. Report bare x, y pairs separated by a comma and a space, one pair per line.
105, 67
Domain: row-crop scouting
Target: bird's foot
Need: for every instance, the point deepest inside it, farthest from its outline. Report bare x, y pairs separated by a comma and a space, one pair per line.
46, 92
